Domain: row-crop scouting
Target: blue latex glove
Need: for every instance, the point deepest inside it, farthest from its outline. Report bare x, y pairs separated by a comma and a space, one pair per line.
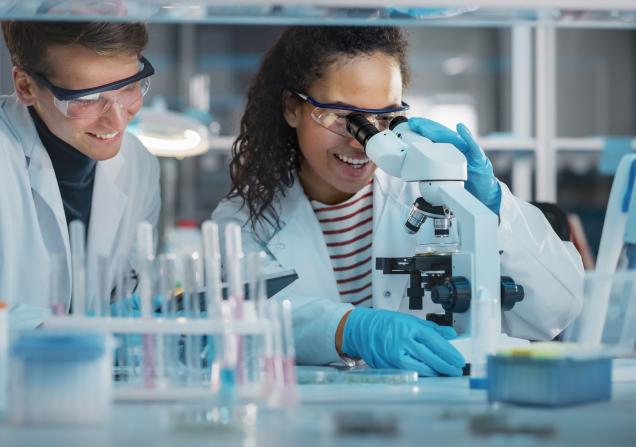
387, 339
481, 181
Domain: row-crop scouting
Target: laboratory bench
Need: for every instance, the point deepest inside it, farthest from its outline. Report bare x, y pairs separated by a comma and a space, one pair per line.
434, 411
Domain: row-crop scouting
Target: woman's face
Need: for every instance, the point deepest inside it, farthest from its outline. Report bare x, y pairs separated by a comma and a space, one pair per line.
367, 81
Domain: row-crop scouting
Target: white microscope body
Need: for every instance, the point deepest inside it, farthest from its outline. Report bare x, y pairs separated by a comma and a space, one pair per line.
441, 170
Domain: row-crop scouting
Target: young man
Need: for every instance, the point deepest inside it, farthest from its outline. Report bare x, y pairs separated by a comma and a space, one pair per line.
65, 155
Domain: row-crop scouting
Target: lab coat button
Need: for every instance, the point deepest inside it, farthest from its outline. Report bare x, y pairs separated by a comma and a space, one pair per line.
387, 294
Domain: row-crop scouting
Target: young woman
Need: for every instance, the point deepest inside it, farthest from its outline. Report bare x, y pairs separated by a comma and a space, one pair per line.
306, 193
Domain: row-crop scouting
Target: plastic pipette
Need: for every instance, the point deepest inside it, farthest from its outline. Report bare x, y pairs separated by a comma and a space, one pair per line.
212, 260
77, 234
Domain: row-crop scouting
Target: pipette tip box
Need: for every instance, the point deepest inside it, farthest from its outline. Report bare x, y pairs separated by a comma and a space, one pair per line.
549, 381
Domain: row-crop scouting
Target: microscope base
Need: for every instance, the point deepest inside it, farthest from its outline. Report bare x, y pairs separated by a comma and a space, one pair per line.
463, 344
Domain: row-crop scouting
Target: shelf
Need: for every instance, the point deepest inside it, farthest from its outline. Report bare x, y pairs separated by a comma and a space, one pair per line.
583, 144
506, 144
561, 13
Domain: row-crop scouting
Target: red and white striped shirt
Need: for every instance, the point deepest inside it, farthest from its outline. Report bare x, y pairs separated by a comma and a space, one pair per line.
347, 228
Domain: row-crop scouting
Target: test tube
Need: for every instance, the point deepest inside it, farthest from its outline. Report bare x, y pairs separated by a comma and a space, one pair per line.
57, 273
484, 336
213, 293
253, 345
101, 303
289, 350
212, 261
145, 257
77, 234
167, 345
284, 391
233, 262
274, 314
191, 310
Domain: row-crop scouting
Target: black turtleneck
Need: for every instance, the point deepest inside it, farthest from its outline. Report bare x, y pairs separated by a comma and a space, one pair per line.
75, 173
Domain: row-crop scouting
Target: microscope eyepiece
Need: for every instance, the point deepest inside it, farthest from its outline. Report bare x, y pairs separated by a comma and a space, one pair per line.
360, 128
397, 121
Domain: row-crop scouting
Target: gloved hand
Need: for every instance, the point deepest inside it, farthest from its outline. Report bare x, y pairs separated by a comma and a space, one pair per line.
481, 181
387, 339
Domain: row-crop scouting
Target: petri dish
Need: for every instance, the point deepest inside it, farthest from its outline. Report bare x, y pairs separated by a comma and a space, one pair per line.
385, 376
311, 375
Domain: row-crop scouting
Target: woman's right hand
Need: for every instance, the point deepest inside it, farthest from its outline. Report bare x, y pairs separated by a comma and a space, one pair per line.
388, 339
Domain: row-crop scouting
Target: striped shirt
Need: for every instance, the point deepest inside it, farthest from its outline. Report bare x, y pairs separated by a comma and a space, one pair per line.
347, 228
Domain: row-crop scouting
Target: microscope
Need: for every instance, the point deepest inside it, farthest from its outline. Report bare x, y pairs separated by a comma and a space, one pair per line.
453, 274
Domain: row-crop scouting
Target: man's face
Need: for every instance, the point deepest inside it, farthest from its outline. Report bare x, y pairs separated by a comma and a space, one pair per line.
75, 67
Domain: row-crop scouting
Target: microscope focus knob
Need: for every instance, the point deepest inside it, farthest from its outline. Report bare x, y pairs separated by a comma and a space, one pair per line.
453, 295
511, 293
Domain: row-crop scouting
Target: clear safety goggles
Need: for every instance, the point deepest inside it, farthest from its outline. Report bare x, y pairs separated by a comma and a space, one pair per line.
334, 116
95, 101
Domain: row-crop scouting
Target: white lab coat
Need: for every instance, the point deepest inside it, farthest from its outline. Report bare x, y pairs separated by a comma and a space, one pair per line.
550, 270
33, 226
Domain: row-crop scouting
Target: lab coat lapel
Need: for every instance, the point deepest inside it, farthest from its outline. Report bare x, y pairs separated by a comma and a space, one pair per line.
44, 183
300, 245
41, 175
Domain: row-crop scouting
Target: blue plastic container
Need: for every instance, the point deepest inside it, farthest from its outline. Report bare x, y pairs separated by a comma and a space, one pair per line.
60, 377
549, 382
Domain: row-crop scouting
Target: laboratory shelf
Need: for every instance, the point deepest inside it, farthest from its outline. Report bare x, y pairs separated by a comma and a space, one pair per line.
562, 13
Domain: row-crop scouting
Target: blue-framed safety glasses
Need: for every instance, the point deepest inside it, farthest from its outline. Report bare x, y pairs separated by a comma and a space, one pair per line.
91, 103
334, 116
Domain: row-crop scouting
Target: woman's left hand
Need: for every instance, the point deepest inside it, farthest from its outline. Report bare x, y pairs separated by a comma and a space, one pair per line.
481, 181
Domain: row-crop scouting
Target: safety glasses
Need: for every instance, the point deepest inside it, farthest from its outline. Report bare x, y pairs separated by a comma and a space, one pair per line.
334, 116
95, 101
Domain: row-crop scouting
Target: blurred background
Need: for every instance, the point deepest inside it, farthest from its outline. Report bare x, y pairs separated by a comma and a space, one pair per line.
484, 76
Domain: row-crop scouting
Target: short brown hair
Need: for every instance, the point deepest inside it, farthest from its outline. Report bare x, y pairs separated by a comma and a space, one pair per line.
28, 41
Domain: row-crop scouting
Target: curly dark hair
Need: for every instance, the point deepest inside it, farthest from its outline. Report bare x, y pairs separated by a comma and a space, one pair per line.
266, 156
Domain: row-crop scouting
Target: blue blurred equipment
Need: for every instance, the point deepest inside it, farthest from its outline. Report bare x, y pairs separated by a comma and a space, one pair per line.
481, 181
387, 339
